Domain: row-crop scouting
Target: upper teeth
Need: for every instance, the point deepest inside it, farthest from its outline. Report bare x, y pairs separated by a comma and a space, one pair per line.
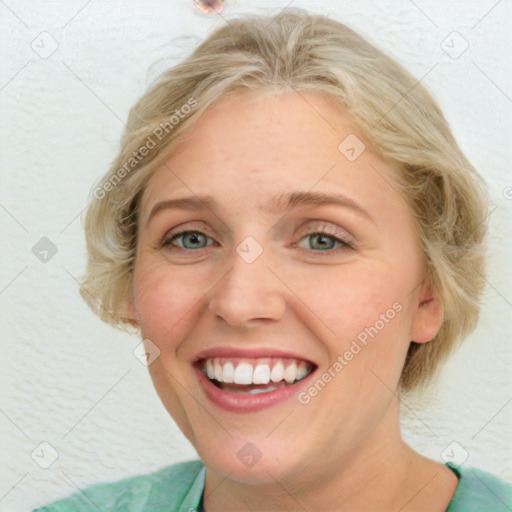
260, 371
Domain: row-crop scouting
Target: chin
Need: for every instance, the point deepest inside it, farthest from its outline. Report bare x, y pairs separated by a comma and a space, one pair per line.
258, 461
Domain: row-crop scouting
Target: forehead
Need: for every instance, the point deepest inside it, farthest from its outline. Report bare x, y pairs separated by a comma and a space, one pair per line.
265, 148
255, 128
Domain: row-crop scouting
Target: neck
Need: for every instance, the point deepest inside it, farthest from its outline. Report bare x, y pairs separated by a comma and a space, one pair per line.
381, 462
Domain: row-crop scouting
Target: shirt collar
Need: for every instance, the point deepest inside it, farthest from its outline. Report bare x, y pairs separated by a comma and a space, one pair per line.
192, 499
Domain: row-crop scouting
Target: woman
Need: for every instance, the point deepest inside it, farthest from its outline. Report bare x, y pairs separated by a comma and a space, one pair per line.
294, 230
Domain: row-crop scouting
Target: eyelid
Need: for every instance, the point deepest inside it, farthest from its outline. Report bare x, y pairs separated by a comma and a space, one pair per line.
329, 229
321, 225
186, 227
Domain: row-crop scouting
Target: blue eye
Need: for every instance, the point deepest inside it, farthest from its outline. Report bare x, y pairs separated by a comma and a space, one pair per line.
189, 239
320, 241
323, 241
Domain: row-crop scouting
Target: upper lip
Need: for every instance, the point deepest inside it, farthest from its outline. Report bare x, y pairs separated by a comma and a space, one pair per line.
249, 353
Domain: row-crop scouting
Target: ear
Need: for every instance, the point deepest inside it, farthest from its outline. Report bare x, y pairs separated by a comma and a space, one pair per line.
428, 318
130, 314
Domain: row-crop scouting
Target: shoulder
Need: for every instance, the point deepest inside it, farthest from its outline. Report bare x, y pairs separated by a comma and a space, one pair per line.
480, 491
156, 491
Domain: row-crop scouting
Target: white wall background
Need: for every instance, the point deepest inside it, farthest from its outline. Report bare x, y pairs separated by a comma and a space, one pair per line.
73, 382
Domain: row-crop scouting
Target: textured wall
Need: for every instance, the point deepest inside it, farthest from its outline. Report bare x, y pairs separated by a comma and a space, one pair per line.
72, 382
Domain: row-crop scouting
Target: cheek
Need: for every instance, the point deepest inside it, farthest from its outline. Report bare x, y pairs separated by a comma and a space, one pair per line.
367, 307
164, 298
352, 298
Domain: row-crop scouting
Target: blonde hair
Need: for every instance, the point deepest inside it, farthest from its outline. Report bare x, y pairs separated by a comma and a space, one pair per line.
301, 51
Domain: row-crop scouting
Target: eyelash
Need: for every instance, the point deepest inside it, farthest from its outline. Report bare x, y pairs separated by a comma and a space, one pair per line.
325, 231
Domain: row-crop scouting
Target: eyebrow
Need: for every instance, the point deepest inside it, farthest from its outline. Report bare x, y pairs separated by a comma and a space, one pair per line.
274, 206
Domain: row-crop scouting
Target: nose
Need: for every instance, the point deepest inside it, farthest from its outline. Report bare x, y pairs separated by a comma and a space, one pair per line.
248, 293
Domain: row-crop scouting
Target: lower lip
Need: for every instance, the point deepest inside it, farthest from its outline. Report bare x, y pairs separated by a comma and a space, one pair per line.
238, 402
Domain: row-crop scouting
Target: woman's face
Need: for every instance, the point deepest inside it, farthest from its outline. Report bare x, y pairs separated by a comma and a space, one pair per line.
300, 255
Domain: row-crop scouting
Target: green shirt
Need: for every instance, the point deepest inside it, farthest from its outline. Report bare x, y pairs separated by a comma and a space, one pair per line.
179, 488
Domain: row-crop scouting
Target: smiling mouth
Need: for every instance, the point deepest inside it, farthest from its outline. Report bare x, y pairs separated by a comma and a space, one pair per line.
255, 375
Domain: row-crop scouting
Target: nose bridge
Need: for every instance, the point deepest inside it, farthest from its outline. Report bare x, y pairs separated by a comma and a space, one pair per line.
249, 290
